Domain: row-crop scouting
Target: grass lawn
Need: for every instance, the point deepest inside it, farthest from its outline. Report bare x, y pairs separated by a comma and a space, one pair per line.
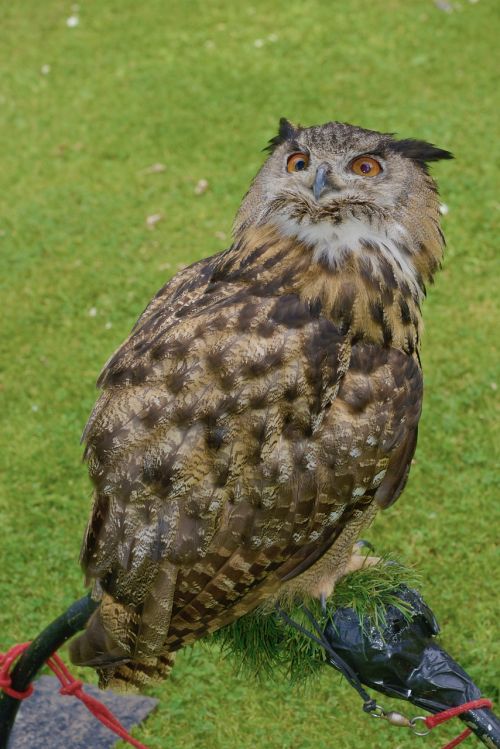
199, 87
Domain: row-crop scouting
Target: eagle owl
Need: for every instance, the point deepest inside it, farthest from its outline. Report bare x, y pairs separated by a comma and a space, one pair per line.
265, 404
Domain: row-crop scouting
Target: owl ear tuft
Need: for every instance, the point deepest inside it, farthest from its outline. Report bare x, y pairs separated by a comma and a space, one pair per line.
286, 131
420, 151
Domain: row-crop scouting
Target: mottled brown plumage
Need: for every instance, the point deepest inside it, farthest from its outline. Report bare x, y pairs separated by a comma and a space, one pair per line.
265, 404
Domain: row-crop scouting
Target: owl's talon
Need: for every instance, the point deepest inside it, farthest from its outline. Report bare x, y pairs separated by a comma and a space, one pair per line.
364, 544
322, 600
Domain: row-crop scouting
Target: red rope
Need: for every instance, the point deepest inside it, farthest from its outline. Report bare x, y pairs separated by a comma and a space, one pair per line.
431, 721
6, 661
73, 687
458, 740
69, 686
435, 720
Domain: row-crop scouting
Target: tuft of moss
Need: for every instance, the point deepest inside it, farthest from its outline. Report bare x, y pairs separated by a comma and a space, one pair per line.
263, 645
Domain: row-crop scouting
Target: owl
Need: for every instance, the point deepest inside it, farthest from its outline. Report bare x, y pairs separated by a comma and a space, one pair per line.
265, 405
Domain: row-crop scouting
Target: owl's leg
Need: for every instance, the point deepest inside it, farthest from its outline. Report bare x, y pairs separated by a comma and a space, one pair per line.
355, 562
326, 579
341, 558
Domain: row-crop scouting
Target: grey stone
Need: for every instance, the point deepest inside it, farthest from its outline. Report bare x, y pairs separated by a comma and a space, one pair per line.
49, 720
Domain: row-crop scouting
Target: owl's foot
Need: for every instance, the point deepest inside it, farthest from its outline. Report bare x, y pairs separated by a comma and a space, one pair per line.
357, 561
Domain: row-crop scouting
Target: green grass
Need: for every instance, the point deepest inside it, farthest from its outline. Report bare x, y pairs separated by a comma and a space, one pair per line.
263, 644
183, 83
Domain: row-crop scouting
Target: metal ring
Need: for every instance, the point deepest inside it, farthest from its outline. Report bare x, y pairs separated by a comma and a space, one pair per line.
414, 727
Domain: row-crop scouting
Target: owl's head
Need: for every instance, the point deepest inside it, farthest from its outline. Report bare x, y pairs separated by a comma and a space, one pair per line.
336, 186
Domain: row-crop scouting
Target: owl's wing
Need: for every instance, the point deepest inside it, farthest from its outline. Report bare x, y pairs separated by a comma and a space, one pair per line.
365, 446
193, 445
386, 385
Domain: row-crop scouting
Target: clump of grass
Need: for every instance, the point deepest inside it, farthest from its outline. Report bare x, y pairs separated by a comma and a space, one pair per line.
262, 644
371, 590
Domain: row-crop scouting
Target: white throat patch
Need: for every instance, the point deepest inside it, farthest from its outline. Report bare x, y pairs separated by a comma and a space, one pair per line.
333, 243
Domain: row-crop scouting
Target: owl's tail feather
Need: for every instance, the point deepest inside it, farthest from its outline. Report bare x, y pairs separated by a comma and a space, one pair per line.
95, 646
133, 676
116, 668
126, 644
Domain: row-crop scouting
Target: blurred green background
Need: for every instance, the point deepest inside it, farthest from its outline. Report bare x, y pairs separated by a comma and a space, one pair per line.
92, 99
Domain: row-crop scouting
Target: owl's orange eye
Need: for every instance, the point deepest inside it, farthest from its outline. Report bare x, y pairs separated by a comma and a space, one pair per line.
297, 162
365, 166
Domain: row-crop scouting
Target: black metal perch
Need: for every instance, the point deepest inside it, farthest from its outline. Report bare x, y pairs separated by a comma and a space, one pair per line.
48, 641
400, 659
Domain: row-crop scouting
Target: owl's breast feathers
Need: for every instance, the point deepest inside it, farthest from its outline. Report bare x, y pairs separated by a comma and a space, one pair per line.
257, 404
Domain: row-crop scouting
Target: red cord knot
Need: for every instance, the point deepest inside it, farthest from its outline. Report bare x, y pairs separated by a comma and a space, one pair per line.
6, 687
6, 661
69, 686
71, 689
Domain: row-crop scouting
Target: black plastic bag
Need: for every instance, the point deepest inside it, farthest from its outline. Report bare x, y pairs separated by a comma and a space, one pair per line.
402, 659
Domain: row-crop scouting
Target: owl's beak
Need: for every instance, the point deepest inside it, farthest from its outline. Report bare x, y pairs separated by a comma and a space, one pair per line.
320, 180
